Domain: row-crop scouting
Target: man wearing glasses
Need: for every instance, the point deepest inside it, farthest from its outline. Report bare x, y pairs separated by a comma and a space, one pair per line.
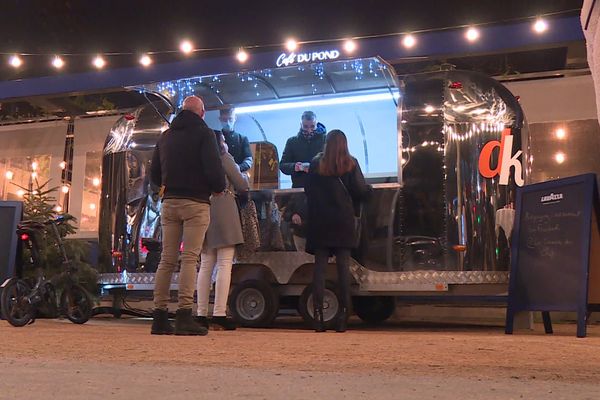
295, 161
302, 148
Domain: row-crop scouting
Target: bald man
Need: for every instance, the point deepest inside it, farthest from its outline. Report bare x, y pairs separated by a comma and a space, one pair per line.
186, 165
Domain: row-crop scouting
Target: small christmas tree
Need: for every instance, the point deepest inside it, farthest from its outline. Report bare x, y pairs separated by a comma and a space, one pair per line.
38, 205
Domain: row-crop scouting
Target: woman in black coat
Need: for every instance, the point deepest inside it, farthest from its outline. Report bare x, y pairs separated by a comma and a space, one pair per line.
334, 189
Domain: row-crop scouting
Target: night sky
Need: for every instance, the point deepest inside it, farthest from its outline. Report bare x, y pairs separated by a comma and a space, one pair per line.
86, 26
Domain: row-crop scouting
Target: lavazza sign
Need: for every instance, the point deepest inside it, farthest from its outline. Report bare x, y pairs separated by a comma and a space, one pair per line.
285, 59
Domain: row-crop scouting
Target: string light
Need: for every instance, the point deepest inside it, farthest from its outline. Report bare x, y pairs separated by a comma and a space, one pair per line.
65, 189
63, 165
540, 26
560, 133
560, 157
15, 61
242, 56
291, 44
58, 209
186, 47
350, 46
58, 62
472, 34
9, 175
96, 181
409, 41
145, 60
34, 175
99, 62
34, 165
20, 193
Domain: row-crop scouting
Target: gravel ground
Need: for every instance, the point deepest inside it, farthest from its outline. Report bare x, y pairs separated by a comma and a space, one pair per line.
108, 358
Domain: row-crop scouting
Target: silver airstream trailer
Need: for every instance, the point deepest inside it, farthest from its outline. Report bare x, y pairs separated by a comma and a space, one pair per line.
444, 152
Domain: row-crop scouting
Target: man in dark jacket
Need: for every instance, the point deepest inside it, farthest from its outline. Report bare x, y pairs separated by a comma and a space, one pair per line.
186, 165
238, 144
302, 148
295, 161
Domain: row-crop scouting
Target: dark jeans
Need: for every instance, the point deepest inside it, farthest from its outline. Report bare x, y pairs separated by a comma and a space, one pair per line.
342, 256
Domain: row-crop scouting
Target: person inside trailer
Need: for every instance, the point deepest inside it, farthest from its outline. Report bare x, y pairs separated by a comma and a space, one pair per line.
302, 148
295, 161
238, 144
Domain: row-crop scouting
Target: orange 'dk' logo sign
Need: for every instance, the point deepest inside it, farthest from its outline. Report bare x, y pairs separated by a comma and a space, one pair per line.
505, 160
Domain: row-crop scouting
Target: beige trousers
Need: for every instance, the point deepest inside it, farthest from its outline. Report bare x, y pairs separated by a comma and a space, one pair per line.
187, 221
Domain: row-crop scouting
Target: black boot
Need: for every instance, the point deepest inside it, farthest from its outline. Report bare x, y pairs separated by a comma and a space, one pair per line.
185, 324
202, 321
342, 321
223, 322
318, 319
160, 323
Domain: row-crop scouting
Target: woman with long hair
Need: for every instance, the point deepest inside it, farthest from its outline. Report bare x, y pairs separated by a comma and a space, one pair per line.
334, 190
223, 234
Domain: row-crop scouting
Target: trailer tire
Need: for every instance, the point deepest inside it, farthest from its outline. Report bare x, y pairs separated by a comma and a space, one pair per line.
254, 303
331, 305
374, 309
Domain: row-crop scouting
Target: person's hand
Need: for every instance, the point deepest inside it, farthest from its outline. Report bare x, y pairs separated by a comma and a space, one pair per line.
296, 219
298, 167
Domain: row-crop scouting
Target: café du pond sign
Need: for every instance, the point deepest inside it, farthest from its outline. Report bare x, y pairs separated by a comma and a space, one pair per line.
287, 59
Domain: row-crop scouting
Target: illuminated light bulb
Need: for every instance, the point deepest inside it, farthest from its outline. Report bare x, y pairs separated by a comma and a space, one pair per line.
560, 133
540, 26
63, 165
145, 60
429, 109
58, 62
242, 56
15, 61
9, 175
92, 206
350, 46
186, 47
20, 193
96, 181
472, 34
291, 44
65, 189
58, 209
99, 62
34, 165
409, 41
560, 157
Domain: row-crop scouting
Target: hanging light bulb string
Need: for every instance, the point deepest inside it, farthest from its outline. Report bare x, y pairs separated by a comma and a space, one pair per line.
408, 40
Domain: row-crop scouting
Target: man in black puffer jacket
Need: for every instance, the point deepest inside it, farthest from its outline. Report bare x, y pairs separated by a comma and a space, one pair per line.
302, 148
297, 155
186, 165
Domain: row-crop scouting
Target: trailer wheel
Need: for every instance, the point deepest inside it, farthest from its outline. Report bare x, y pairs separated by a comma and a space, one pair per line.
254, 303
374, 309
331, 305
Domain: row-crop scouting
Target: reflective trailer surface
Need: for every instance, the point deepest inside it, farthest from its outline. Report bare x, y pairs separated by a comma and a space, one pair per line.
462, 163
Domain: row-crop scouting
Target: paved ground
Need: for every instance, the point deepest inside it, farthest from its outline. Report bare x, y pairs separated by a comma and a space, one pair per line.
109, 358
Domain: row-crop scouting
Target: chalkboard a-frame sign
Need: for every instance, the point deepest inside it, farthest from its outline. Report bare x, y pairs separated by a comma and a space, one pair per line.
555, 260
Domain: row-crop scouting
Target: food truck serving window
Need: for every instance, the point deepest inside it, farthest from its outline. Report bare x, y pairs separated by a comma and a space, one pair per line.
360, 97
